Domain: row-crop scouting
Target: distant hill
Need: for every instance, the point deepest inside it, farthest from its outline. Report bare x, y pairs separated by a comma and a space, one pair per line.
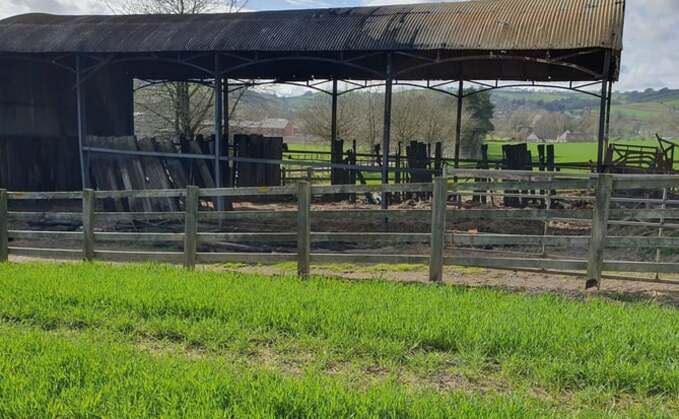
636, 114
642, 105
258, 105
665, 96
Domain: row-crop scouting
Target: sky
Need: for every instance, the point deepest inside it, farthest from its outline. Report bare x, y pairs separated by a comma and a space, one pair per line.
650, 56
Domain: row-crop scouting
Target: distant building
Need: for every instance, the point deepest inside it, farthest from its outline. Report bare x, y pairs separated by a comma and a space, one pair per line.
533, 138
270, 127
574, 137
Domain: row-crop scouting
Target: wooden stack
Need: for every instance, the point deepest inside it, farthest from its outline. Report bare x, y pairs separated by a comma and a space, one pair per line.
419, 158
516, 157
258, 147
114, 172
119, 172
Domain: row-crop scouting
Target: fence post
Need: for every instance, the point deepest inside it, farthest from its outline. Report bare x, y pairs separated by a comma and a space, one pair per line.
303, 229
191, 226
438, 228
661, 230
602, 208
89, 204
4, 233
548, 206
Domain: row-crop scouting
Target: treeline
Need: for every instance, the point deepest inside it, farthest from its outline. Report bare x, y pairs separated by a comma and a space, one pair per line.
417, 115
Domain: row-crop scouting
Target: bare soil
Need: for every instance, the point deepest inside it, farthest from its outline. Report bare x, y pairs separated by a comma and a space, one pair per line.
514, 281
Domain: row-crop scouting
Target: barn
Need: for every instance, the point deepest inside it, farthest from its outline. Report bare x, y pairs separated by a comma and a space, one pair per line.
67, 79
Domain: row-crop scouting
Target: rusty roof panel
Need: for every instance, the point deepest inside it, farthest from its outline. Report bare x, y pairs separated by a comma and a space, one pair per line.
472, 25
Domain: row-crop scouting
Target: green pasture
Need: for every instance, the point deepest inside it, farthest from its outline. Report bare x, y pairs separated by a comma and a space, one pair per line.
97, 340
565, 153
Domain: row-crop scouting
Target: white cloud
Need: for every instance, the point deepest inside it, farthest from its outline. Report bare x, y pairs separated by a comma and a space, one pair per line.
650, 57
308, 3
13, 7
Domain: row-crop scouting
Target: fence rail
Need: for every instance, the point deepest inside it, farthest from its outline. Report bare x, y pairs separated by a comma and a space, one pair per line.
445, 247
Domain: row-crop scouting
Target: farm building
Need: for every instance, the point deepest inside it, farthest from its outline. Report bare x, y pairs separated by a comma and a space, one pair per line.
269, 127
569, 136
68, 80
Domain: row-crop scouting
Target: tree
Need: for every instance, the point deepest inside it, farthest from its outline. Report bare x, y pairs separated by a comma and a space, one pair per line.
517, 124
191, 103
479, 124
438, 119
481, 110
316, 117
416, 116
175, 7
550, 125
667, 122
373, 119
406, 119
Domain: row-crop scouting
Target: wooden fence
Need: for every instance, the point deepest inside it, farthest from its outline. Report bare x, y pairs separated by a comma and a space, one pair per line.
444, 246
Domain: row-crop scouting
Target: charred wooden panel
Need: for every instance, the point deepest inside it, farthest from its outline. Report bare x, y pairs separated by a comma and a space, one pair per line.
38, 122
109, 103
258, 147
36, 100
34, 164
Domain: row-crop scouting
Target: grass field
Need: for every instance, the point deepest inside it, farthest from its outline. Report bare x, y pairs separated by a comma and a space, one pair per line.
91, 340
567, 152
564, 153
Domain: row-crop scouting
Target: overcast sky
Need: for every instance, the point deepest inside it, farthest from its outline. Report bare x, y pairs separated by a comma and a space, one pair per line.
650, 57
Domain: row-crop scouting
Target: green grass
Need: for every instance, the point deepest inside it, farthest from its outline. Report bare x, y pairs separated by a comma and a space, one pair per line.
564, 153
640, 111
567, 152
146, 340
93, 375
304, 147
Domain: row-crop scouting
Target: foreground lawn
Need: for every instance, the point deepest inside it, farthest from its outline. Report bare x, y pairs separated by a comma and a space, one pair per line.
144, 340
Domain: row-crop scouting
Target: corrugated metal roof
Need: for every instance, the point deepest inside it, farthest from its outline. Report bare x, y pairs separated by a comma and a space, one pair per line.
471, 25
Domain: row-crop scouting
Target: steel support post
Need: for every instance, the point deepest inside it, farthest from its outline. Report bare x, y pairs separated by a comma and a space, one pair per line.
333, 134
82, 129
608, 116
602, 127
603, 113
227, 132
333, 123
219, 132
386, 139
458, 126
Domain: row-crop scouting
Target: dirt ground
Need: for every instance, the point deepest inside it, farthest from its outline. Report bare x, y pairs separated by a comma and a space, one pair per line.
513, 281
